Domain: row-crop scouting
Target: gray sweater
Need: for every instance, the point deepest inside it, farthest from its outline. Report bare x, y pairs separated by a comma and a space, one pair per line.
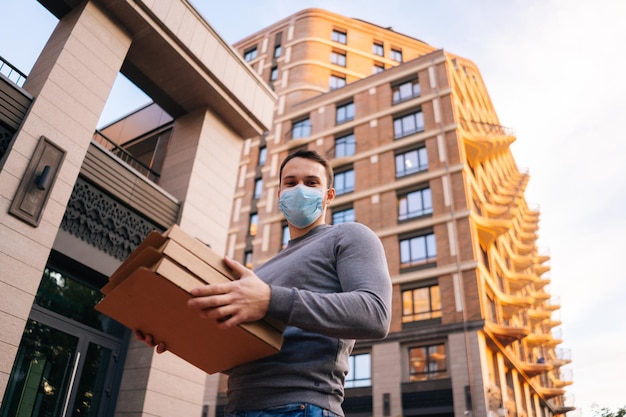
329, 287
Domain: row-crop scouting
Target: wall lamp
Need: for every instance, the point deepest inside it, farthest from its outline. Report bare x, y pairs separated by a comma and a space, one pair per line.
34, 189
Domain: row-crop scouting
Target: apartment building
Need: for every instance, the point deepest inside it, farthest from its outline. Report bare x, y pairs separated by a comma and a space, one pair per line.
419, 155
421, 158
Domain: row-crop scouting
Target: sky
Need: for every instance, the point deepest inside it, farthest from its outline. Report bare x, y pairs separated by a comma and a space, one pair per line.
553, 70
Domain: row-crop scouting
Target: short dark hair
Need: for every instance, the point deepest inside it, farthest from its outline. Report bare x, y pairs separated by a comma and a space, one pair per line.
312, 155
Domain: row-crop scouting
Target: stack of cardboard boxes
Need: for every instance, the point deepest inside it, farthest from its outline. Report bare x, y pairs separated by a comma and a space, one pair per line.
149, 292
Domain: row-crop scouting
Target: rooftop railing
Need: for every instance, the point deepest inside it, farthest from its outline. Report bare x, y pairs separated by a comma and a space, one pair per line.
125, 156
11, 72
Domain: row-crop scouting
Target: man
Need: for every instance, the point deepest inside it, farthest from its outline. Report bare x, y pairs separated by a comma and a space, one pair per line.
330, 286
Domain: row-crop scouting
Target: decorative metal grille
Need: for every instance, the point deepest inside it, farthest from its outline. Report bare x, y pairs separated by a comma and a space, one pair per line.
103, 222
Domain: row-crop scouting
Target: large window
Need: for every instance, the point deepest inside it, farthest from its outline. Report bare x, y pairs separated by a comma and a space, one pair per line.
427, 362
301, 129
345, 113
254, 224
250, 54
408, 124
247, 259
378, 48
410, 162
343, 216
258, 188
338, 58
360, 371
418, 250
415, 204
337, 81
274, 74
396, 54
405, 91
344, 182
421, 304
262, 156
285, 237
345, 146
378, 67
277, 47
340, 36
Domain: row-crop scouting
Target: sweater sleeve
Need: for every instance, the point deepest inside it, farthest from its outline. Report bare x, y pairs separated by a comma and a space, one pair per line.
361, 309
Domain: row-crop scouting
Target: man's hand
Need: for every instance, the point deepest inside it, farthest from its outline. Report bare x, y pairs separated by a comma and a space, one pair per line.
246, 299
149, 340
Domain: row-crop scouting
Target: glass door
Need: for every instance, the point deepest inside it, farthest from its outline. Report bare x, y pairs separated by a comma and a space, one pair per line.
68, 362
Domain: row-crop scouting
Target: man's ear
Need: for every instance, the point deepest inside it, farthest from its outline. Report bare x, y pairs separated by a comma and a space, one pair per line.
330, 195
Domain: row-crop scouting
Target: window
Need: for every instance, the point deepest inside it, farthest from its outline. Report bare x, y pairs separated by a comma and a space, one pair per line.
249, 54
427, 362
377, 68
258, 188
274, 74
277, 47
405, 91
418, 250
338, 58
247, 259
345, 113
415, 204
337, 81
421, 304
344, 182
378, 48
343, 216
262, 156
345, 146
410, 162
339, 36
254, 224
301, 129
396, 55
409, 124
359, 371
285, 237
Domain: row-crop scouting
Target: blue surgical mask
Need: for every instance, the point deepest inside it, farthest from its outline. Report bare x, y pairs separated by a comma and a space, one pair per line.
301, 205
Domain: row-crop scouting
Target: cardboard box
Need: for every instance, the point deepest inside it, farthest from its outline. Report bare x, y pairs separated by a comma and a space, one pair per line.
149, 292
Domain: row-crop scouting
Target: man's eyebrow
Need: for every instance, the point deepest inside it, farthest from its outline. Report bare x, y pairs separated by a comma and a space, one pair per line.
308, 177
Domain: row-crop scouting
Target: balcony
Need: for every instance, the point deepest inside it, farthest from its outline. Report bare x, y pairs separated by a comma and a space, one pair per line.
538, 314
506, 334
561, 404
535, 368
562, 356
489, 229
550, 392
539, 338
482, 140
563, 379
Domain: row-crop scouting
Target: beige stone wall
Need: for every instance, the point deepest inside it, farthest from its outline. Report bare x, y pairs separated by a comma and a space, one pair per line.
386, 377
70, 82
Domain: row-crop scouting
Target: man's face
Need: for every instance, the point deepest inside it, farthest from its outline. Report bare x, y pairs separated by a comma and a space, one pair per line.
303, 171
307, 172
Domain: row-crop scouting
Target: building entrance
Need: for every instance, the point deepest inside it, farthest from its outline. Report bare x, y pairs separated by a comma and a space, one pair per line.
70, 359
